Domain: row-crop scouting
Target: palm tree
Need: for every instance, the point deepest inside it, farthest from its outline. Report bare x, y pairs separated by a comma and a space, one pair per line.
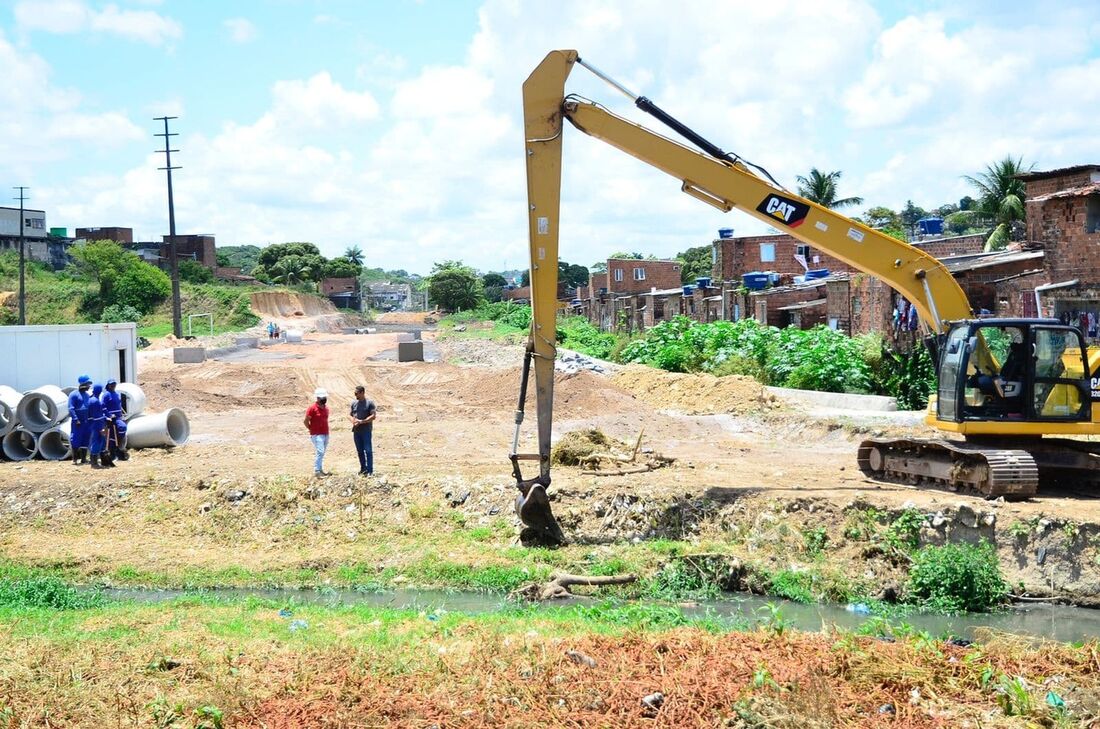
289, 274
821, 188
1001, 198
354, 254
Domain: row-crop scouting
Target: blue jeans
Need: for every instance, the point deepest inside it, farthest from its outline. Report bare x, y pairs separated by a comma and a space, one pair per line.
364, 448
320, 443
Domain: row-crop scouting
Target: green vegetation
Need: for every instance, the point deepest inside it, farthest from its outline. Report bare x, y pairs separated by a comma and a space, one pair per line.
454, 286
122, 278
243, 257
695, 263
1001, 199
821, 188
956, 578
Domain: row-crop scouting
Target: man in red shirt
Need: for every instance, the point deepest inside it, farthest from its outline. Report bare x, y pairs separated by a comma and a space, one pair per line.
317, 423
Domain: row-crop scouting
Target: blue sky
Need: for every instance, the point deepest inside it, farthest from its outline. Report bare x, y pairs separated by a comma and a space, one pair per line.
396, 125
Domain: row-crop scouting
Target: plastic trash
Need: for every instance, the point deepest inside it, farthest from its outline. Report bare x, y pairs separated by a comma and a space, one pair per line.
296, 625
858, 608
285, 613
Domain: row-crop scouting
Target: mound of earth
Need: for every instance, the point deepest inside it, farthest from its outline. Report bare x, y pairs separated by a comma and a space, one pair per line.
576, 446
693, 394
285, 304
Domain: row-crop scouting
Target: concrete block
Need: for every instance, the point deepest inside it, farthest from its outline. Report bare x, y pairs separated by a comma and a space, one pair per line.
247, 342
410, 351
188, 355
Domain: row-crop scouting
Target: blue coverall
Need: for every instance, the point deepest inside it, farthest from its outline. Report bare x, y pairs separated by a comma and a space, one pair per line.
112, 409
97, 421
78, 412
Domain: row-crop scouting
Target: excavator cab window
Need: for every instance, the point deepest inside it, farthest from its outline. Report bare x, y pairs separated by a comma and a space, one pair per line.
1013, 371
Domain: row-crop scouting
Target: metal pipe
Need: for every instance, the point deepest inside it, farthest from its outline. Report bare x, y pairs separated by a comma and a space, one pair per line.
19, 445
42, 408
133, 399
9, 404
169, 428
53, 445
1048, 287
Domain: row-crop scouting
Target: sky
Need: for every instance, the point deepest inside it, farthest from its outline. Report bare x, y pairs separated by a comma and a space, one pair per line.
396, 125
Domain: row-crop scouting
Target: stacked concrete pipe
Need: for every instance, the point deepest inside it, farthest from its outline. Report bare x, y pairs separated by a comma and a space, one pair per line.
9, 406
133, 399
42, 408
19, 445
54, 445
169, 428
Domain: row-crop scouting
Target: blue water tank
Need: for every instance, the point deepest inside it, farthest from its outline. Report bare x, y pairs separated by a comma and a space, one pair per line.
703, 282
773, 277
930, 226
816, 273
688, 289
725, 233
755, 280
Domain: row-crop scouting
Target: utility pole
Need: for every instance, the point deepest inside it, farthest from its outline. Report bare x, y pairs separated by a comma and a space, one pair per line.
177, 324
22, 258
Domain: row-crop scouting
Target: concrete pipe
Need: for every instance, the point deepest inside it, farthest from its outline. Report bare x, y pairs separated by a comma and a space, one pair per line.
169, 428
68, 390
133, 399
9, 406
53, 445
19, 445
42, 408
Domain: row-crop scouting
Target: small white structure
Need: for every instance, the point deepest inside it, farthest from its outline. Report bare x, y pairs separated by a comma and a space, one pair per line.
32, 356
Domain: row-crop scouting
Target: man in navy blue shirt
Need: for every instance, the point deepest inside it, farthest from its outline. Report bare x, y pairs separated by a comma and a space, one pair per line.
362, 423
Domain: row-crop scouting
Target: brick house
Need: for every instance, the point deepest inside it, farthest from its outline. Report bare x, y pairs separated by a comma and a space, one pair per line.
122, 236
199, 248
342, 292
1063, 215
784, 254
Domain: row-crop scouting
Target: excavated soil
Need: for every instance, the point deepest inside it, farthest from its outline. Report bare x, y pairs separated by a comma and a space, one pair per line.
693, 394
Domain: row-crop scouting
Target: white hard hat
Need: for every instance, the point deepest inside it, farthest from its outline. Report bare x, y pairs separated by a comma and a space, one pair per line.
320, 392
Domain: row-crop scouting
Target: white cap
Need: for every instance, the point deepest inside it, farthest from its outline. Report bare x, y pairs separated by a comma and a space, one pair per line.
320, 392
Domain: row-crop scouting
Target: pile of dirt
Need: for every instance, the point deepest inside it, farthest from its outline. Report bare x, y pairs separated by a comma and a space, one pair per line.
576, 447
697, 394
286, 304
408, 317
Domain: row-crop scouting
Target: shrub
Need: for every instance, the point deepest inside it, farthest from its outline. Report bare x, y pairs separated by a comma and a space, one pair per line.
195, 272
143, 287
45, 591
956, 578
119, 313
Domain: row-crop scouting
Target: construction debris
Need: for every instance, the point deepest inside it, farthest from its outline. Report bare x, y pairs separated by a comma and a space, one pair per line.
558, 586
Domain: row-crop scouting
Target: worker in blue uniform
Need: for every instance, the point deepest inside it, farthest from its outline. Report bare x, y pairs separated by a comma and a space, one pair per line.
78, 419
97, 439
116, 426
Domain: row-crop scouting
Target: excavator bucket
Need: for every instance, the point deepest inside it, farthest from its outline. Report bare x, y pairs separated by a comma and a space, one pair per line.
533, 510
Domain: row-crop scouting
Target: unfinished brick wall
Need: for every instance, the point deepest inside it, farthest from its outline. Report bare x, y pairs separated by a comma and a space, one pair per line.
1072, 251
872, 305
959, 245
838, 304
770, 301
735, 257
657, 274
1015, 295
980, 283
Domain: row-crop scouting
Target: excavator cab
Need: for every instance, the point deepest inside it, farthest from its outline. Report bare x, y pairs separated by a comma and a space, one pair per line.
1023, 370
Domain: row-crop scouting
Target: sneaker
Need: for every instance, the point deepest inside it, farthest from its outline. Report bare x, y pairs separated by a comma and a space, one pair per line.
319, 474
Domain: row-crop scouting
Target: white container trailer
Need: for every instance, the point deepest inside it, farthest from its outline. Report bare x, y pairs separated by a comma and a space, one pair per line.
33, 356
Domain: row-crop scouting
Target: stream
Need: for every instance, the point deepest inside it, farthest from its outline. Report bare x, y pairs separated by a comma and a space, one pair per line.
1040, 620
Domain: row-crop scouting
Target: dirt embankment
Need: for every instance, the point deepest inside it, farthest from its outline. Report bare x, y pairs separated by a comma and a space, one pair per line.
285, 304
695, 394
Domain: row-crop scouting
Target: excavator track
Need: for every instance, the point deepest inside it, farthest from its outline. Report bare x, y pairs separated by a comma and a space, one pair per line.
957, 465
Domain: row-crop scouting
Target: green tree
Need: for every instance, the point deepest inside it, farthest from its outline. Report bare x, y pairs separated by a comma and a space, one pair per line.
123, 278
821, 188
493, 279
960, 222
880, 217
243, 257
453, 286
298, 261
142, 286
355, 255
695, 263
195, 272
342, 267
910, 214
1001, 198
223, 259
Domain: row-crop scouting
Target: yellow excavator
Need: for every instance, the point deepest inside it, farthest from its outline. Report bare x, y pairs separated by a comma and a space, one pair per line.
1004, 385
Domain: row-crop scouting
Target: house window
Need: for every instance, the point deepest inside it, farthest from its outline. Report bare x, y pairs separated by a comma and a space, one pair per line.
1092, 214
618, 274
767, 252
639, 274
803, 251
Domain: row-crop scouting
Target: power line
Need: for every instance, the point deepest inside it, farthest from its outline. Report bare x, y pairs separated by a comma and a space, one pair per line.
177, 324
22, 257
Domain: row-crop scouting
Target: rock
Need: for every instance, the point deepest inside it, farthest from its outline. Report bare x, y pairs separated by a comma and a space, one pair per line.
989, 519
965, 515
653, 701
204, 508
908, 505
235, 495
460, 500
938, 520
312, 493
887, 709
581, 659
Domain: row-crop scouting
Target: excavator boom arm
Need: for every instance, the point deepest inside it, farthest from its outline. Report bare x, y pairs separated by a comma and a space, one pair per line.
722, 182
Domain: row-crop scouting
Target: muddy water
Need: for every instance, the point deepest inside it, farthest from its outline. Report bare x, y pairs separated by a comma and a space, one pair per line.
1055, 622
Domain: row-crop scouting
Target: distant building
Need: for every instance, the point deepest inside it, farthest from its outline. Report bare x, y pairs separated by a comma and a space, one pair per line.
388, 296
42, 244
122, 236
199, 248
342, 292
34, 223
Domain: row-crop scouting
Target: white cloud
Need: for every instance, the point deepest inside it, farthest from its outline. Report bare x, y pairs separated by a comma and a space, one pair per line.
77, 16
241, 30
320, 102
